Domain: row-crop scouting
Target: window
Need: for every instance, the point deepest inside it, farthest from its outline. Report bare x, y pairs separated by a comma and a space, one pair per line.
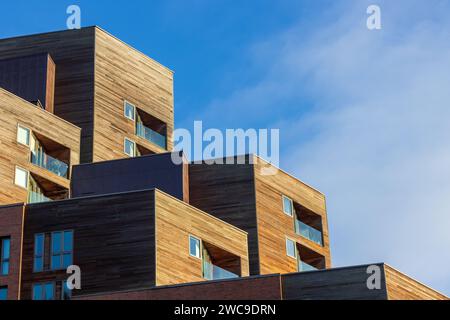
288, 206
61, 250
129, 111
290, 248
39, 252
5, 251
3, 293
44, 291
129, 148
21, 178
23, 135
194, 247
66, 293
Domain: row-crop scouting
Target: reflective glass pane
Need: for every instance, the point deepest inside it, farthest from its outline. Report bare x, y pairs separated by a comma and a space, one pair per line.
6, 248
68, 241
49, 291
290, 248
67, 260
39, 244
194, 247
23, 136
4, 268
21, 178
38, 264
3, 293
129, 111
37, 292
129, 147
56, 242
66, 292
56, 262
287, 206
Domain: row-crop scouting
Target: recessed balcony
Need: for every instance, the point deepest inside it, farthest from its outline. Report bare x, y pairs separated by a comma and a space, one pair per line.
309, 260
49, 155
151, 129
41, 189
308, 224
219, 264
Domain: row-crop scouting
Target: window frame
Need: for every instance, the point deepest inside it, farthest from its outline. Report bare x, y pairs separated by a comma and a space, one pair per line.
199, 247
65, 289
124, 147
290, 214
27, 177
43, 291
62, 252
125, 103
8, 258
19, 126
295, 248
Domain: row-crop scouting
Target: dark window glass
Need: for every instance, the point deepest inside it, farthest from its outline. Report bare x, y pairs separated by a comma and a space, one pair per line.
44, 291
3, 293
62, 250
5, 251
38, 252
66, 293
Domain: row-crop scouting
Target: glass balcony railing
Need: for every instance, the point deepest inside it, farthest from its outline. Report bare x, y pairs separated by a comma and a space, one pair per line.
34, 197
151, 135
303, 266
308, 232
49, 163
213, 272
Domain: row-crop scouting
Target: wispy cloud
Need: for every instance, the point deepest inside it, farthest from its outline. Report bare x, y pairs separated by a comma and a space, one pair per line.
366, 117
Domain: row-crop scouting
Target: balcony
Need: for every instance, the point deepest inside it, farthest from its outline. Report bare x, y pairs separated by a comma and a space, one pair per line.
309, 260
213, 272
151, 135
49, 163
34, 197
303, 266
219, 264
308, 232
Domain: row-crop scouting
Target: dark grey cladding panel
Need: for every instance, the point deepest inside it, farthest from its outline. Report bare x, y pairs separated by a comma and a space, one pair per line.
333, 284
131, 174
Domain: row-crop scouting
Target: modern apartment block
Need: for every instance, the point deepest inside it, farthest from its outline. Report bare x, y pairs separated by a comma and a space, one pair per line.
120, 98
89, 178
286, 219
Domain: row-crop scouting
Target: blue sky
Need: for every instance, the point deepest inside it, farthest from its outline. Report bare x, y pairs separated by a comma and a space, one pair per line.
363, 114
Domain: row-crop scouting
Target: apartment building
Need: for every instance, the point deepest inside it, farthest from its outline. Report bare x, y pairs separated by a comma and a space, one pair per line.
120, 98
286, 219
121, 241
87, 178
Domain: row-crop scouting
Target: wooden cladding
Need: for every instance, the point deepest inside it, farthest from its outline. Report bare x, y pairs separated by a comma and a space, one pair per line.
402, 287
95, 73
175, 222
15, 111
128, 241
241, 194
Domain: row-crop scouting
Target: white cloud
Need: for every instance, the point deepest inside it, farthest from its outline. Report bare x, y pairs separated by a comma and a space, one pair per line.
375, 137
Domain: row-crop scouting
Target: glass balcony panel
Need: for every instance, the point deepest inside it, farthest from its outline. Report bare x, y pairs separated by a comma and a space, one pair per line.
213, 272
49, 163
34, 197
303, 266
151, 135
308, 232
